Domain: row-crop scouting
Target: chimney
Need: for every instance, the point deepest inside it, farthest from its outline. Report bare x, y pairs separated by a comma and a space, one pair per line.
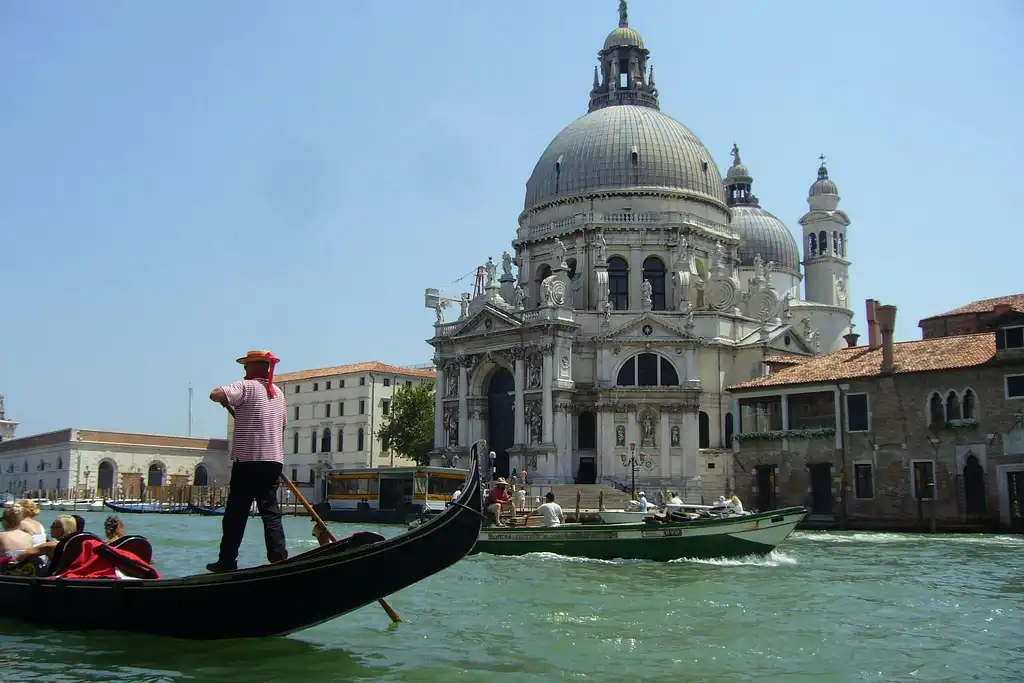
874, 339
851, 338
1001, 309
886, 319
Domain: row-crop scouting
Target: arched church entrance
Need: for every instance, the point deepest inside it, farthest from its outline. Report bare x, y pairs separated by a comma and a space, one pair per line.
501, 418
974, 486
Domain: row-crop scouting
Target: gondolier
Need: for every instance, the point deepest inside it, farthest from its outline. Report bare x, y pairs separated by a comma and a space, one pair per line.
257, 457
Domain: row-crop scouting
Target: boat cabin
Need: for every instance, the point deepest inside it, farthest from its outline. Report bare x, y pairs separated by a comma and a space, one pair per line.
386, 489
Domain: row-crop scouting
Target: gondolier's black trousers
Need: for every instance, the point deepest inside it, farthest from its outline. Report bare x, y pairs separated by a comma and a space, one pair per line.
253, 481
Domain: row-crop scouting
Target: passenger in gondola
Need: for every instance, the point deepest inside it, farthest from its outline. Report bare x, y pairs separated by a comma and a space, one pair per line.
79, 522
13, 539
457, 495
60, 528
737, 506
497, 498
113, 527
29, 523
643, 502
550, 511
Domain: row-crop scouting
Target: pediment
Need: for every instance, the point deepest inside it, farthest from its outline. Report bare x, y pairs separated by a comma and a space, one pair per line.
797, 344
645, 327
488, 320
815, 216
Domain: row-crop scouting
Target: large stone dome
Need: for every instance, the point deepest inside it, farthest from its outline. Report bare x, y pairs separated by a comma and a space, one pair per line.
625, 147
762, 233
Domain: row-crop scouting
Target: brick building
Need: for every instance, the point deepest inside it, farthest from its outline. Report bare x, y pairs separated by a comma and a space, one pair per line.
924, 434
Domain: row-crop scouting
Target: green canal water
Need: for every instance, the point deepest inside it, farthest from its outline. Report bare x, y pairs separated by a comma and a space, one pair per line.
824, 607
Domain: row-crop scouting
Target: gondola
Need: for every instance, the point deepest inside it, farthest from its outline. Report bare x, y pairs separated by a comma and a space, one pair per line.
206, 511
341, 576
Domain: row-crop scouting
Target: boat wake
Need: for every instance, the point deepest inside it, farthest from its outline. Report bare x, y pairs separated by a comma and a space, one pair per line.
775, 558
882, 538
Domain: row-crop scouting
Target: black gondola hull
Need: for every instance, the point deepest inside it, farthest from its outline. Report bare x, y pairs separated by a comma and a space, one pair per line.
270, 600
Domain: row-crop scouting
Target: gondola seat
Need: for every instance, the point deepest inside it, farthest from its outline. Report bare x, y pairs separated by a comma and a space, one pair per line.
136, 545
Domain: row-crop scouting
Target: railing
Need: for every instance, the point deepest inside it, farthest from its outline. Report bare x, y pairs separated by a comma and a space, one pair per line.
670, 218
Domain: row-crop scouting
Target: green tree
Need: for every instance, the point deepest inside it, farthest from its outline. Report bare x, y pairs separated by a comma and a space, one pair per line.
408, 429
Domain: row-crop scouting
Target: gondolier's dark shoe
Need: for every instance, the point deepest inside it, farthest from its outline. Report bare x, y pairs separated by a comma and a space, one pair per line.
219, 567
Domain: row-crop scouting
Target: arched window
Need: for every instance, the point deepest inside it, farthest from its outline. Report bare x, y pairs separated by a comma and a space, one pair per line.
105, 476
312, 442
295, 442
835, 242
823, 243
325, 441
60, 463
968, 411
42, 465
341, 439
703, 430
618, 283
952, 406
812, 245
586, 428
936, 414
25, 468
728, 430
654, 271
359, 439
201, 477
543, 272
647, 370
841, 244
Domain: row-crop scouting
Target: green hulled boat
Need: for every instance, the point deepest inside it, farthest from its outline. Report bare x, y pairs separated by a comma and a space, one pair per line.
735, 536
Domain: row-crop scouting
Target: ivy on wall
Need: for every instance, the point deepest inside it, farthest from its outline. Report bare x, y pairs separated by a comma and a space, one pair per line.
776, 435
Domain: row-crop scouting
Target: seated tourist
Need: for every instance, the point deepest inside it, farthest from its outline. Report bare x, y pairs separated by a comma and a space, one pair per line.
62, 527
550, 511
497, 498
737, 506
30, 524
13, 540
113, 527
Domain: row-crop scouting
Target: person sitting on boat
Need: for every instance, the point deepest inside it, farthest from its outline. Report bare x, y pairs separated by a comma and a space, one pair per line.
63, 526
642, 502
457, 494
113, 527
13, 539
675, 499
550, 511
721, 503
29, 523
497, 498
736, 505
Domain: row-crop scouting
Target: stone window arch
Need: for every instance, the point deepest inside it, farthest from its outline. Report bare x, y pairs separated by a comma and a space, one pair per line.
969, 405
360, 439
647, 370
618, 283
295, 442
728, 430
60, 463
325, 441
936, 409
341, 439
586, 431
703, 430
155, 474
654, 271
812, 245
823, 243
952, 406
201, 476
105, 475
543, 271
312, 442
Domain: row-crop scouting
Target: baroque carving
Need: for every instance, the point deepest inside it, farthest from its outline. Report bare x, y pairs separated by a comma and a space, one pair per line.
620, 435
723, 290
648, 423
451, 427
675, 436
451, 380
534, 421
564, 406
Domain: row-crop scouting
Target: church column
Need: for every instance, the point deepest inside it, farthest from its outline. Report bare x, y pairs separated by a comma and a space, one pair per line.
690, 442
520, 425
565, 457
607, 451
664, 445
464, 435
548, 379
439, 388
636, 278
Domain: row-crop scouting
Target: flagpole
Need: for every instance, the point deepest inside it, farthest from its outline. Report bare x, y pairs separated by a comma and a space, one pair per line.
190, 410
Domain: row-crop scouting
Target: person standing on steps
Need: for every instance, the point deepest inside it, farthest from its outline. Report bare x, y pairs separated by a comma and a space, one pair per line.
257, 458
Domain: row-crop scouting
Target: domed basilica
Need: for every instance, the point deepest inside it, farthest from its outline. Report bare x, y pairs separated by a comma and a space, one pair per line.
645, 283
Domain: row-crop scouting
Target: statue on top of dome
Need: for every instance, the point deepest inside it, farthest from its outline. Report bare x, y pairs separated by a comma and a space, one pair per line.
492, 271
623, 14
735, 155
506, 265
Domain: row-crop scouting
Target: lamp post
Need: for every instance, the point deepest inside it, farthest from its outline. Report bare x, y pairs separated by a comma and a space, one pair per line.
633, 465
494, 470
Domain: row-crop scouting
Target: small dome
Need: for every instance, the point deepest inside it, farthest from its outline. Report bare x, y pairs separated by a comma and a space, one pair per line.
738, 173
623, 36
621, 148
762, 233
823, 185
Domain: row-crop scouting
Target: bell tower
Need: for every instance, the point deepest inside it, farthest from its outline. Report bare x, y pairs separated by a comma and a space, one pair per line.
622, 75
826, 264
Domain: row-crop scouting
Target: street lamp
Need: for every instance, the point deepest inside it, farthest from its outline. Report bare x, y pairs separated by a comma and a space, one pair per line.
634, 465
494, 470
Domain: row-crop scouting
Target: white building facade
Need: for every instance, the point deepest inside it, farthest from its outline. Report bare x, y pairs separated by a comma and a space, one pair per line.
334, 415
86, 462
646, 283
7, 427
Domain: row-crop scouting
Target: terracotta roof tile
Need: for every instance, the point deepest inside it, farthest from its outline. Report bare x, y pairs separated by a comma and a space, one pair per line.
942, 353
371, 366
1015, 301
786, 360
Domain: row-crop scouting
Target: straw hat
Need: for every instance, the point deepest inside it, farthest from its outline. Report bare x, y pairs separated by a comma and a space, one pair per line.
258, 356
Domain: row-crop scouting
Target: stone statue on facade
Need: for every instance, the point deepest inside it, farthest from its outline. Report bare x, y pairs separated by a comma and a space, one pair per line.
675, 436
506, 265
608, 308
520, 297
439, 312
600, 248
545, 293
688, 323
647, 431
560, 254
492, 271
646, 294
535, 426
464, 303
533, 373
451, 382
3, 413
758, 267
620, 435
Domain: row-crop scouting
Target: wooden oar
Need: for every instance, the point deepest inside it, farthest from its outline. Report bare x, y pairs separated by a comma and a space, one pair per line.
316, 518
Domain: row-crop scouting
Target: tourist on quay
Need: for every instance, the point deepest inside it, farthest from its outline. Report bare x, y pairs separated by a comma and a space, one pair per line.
521, 498
550, 511
257, 456
13, 539
29, 523
113, 527
496, 498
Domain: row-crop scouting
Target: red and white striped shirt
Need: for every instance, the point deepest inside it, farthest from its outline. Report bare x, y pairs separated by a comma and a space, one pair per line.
259, 421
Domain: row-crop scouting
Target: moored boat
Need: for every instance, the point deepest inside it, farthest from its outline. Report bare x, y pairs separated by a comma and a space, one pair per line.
367, 565
148, 508
704, 538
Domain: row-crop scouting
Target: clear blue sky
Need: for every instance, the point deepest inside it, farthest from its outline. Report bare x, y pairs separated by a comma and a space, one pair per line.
182, 181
